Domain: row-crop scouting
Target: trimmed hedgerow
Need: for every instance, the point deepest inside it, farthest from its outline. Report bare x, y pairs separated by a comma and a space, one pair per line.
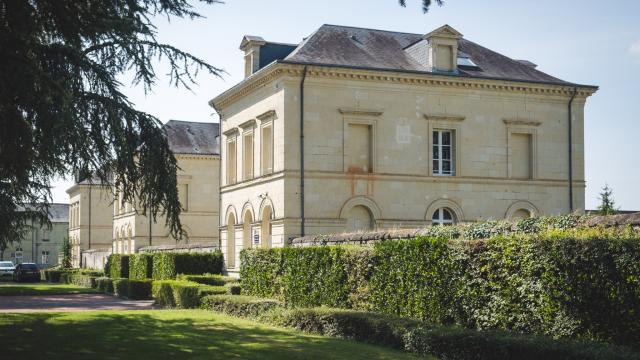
105, 285
166, 265
140, 266
563, 283
239, 305
208, 279
139, 289
121, 287
117, 266
233, 288
162, 293
463, 344
182, 294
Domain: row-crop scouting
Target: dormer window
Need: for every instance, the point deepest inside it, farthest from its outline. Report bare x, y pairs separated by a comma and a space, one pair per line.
443, 49
465, 61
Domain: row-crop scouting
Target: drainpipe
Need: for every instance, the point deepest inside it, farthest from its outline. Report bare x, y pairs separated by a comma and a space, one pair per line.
89, 247
573, 95
304, 75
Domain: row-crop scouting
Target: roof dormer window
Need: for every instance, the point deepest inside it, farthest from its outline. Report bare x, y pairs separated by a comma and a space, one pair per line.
465, 61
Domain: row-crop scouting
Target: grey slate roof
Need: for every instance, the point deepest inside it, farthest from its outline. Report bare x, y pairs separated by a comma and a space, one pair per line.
58, 212
189, 137
334, 45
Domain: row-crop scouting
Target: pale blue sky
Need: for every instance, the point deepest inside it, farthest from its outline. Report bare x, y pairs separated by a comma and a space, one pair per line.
587, 41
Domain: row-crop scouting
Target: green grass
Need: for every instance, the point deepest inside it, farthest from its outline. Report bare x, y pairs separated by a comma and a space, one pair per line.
167, 334
42, 289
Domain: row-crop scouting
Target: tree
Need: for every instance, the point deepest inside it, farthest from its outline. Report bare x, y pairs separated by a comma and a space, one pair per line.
425, 4
62, 110
607, 204
65, 253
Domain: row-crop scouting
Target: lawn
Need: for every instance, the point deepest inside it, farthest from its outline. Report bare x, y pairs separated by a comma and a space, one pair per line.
175, 334
42, 289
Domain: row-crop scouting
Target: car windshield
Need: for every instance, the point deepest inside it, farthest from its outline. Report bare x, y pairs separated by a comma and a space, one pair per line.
29, 266
6, 264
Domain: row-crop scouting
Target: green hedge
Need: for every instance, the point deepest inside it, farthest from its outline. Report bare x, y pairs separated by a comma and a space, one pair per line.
412, 335
139, 289
117, 266
54, 275
239, 305
182, 294
140, 266
233, 288
166, 265
573, 283
105, 285
208, 279
121, 287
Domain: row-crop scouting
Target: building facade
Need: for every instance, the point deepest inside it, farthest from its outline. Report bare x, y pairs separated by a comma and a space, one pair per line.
196, 148
90, 217
40, 244
356, 129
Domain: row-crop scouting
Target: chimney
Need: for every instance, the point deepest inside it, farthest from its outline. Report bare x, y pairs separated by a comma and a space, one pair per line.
251, 46
442, 51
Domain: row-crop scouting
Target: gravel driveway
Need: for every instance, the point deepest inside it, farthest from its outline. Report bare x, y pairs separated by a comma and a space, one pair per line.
72, 302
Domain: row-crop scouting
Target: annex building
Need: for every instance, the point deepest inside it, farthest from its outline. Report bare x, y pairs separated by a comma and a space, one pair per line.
356, 129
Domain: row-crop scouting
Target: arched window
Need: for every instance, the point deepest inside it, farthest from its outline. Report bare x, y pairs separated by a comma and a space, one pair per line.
265, 235
443, 216
231, 241
359, 219
246, 230
521, 214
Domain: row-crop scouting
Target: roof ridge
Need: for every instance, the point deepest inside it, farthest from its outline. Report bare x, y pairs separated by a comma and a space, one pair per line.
371, 29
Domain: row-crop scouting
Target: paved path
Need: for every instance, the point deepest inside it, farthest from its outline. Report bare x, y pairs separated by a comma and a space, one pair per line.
71, 302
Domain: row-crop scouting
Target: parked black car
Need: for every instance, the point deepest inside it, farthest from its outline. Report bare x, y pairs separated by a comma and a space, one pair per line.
26, 272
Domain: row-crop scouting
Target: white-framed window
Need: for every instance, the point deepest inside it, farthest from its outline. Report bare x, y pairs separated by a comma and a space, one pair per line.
443, 216
247, 155
231, 161
266, 139
443, 153
45, 257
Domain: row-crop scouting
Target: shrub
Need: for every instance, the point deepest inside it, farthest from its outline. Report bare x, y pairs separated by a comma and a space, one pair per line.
207, 279
457, 343
233, 288
90, 272
139, 289
581, 283
54, 275
140, 266
105, 285
121, 287
347, 324
239, 305
117, 266
162, 293
166, 265
80, 280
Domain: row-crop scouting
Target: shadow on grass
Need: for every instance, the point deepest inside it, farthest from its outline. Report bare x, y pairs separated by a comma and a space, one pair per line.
23, 289
166, 334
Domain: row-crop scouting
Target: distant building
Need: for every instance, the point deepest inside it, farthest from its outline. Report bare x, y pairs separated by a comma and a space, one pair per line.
40, 244
90, 217
357, 129
196, 147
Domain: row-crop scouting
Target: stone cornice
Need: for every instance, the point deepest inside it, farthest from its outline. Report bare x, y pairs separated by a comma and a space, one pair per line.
438, 117
360, 112
247, 124
281, 69
267, 115
521, 122
198, 156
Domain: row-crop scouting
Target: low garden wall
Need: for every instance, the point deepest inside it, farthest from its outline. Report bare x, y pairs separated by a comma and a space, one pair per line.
558, 280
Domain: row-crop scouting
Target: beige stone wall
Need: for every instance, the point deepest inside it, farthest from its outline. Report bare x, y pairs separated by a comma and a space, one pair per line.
199, 174
401, 112
90, 218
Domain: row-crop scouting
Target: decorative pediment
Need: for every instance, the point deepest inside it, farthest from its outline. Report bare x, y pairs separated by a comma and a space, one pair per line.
441, 117
444, 31
248, 124
249, 40
271, 114
521, 122
359, 112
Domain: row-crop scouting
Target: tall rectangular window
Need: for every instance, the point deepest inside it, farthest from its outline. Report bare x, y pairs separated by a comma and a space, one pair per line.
247, 163
443, 153
183, 196
358, 148
266, 140
231, 162
521, 156
45, 257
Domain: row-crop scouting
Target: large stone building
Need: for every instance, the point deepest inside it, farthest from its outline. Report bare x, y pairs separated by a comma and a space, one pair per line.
90, 217
356, 129
40, 244
196, 147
